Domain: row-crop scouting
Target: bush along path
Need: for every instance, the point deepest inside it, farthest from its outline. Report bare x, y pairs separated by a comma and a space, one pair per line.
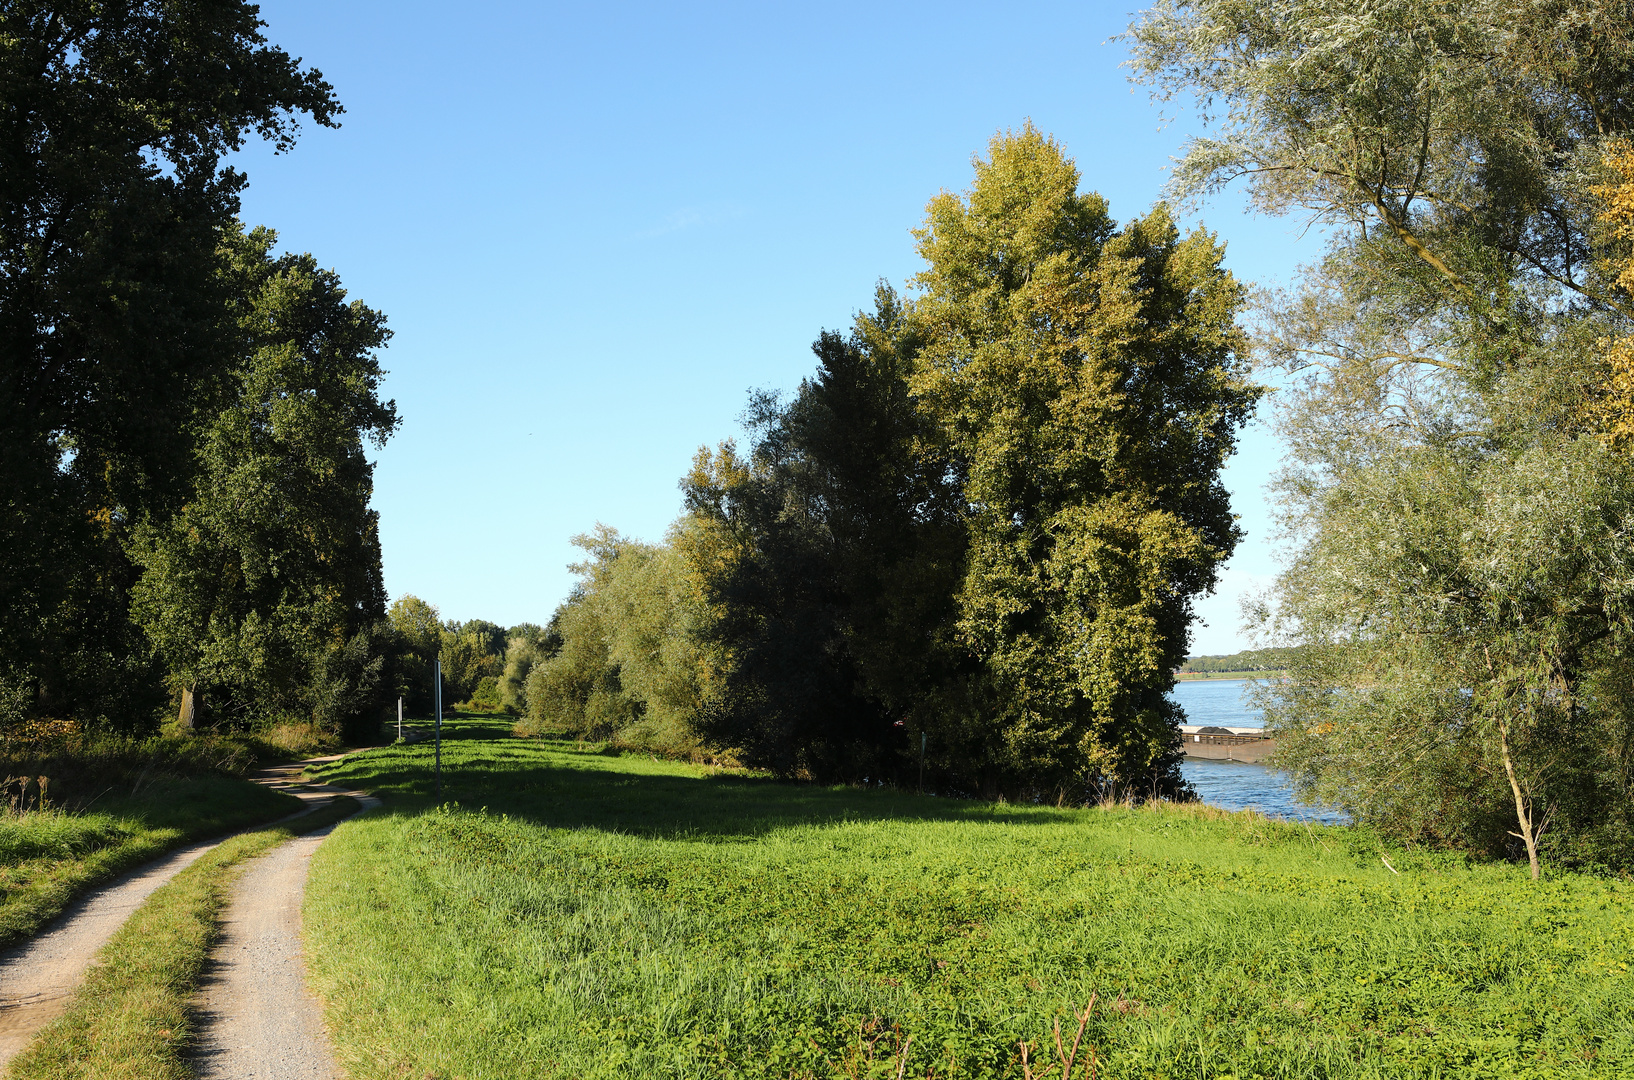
127, 1014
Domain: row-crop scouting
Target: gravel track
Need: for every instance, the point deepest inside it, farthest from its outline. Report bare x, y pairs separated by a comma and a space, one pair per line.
258, 1020
38, 977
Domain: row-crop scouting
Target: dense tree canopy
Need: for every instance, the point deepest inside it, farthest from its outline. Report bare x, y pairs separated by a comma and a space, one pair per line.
257, 586
828, 559
116, 321
1088, 382
619, 659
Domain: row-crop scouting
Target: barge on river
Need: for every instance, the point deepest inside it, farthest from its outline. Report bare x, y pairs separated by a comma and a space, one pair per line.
1217, 743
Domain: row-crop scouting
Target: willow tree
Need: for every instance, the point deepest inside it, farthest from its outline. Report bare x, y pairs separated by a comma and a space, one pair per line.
1462, 557
1089, 382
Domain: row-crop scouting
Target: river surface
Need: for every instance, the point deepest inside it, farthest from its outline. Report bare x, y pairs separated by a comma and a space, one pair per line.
1235, 785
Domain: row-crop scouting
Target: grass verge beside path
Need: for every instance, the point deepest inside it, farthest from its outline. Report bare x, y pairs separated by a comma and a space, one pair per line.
49, 857
131, 1018
580, 915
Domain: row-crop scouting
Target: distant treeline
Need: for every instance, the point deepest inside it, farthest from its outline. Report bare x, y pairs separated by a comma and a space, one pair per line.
1248, 660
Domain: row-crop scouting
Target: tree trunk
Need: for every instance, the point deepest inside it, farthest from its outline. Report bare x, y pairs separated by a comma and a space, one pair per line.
187, 718
1523, 811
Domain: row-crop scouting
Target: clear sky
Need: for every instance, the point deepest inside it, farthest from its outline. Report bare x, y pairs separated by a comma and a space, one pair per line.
594, 227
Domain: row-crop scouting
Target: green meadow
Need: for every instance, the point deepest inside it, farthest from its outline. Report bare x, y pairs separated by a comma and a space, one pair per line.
569, 912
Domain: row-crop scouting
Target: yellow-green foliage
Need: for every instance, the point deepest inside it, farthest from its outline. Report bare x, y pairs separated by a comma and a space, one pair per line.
1618, 405
590, 916
1090, 379
628, 663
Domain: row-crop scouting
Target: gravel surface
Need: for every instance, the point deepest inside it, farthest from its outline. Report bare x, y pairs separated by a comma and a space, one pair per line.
38, 977
258, 1021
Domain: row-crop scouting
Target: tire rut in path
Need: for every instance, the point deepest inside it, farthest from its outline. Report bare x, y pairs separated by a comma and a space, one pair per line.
39, 976
258, 1020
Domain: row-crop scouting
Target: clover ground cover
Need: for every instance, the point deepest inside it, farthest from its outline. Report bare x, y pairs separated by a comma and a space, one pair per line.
567, 913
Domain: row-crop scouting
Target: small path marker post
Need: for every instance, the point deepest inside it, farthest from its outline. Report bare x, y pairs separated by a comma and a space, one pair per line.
439, 729
399, 719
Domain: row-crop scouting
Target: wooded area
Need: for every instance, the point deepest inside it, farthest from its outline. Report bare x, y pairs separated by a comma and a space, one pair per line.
968, 543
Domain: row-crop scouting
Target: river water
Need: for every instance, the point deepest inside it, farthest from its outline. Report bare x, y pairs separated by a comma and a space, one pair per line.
1235, 785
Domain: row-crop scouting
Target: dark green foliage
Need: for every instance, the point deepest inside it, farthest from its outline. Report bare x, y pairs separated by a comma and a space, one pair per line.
471, 652
1248, 660
263, 593
417, 629
840, 540
115, 321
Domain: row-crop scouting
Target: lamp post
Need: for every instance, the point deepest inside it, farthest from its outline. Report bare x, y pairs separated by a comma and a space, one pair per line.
439, 697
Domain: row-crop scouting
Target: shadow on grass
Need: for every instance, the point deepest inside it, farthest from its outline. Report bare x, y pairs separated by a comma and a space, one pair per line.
567, 784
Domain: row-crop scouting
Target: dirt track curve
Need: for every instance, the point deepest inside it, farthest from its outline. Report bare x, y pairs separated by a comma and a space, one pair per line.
258, 1020
38, 977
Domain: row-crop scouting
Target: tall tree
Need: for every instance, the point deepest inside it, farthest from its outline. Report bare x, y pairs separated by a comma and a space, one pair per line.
1090, 383
418, 628
115, 122
265, 587
1460, 528
584, 687
828, 560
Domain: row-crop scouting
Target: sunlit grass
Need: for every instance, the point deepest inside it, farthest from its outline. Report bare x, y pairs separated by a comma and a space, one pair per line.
577, 915
48, 857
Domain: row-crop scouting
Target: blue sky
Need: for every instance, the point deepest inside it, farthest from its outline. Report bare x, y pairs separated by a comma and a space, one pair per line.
595, 227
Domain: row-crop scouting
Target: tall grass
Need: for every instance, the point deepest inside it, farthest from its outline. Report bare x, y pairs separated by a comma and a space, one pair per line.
582, 915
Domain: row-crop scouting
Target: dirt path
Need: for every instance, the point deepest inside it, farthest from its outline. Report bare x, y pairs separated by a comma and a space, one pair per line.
39, 976
258, 1020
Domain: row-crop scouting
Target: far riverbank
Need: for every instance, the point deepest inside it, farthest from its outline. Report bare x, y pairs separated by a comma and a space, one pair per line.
1204, 676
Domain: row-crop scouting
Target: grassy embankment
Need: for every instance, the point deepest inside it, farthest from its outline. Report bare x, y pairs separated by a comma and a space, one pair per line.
575, 914
132, 1018
110, 802
47, 857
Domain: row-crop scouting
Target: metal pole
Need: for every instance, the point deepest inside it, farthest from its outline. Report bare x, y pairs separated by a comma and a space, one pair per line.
399, 719
439, 696
922, 761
